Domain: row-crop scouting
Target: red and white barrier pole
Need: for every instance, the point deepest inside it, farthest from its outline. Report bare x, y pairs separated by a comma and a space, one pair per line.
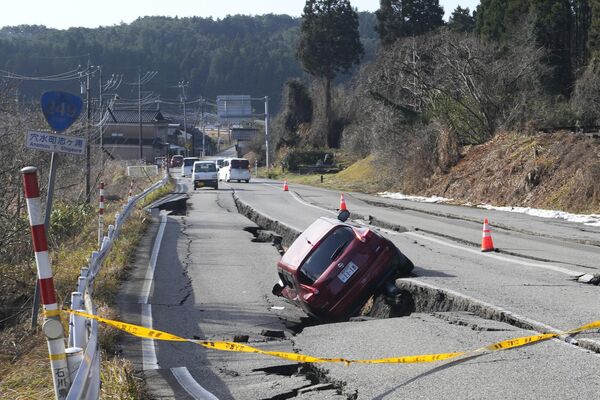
101, 215
130, 190
52, 326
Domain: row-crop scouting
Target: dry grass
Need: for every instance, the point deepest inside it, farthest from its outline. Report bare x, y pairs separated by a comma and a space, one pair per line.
24, 367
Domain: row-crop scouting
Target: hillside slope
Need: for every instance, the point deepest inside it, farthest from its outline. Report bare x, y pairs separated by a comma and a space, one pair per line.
553, 171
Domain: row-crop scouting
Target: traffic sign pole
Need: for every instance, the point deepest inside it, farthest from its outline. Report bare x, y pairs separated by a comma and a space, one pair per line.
49, 198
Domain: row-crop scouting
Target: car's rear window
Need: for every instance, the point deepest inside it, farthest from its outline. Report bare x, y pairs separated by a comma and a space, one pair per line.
205, 167
318, 261
240, 164
188, 162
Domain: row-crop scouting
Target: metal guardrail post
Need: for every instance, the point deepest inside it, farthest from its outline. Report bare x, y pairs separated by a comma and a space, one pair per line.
52, 326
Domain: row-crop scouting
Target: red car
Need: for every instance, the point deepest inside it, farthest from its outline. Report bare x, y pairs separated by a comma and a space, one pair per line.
333, 268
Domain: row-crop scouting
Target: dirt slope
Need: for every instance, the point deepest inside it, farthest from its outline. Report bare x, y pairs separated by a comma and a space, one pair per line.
554, 171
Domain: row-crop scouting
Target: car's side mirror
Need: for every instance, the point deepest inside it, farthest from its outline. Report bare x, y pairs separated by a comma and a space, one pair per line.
343, 215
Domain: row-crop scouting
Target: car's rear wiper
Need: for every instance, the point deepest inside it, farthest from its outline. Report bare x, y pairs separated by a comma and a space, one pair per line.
337, 251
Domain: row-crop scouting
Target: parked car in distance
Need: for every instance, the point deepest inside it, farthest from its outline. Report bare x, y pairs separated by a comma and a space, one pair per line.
219, 162
176, 161
159, 161
187, 164
333, 267
205, 174
235, 169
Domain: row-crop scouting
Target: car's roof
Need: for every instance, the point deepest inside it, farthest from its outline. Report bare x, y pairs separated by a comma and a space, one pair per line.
191, 158
307, 239
205, 162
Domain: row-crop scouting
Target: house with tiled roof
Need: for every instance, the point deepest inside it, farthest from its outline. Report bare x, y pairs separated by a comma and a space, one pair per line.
121, 134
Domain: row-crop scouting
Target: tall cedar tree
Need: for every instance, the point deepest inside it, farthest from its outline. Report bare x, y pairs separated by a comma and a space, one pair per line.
594, 31
582, 21
495, 18
553, 32
461, 20
329, 44
401, 18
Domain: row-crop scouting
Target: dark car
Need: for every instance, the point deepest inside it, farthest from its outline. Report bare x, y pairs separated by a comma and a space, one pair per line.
176, 161
333, 268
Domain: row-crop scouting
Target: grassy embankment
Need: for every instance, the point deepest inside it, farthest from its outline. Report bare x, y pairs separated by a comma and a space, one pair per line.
24, 366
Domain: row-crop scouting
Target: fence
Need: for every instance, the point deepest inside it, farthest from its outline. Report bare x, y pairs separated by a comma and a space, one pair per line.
83, 333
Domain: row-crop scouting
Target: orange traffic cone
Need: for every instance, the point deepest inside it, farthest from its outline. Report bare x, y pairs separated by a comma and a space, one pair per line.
342, 203
285, 186
486, 241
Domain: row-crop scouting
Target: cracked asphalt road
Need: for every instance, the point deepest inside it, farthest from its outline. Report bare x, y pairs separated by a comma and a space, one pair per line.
212, 281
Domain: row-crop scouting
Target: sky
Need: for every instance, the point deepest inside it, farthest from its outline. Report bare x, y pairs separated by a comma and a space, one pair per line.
63, 14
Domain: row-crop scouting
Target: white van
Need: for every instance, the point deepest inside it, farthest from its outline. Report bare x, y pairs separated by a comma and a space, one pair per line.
187, 164
235, 169
205, 174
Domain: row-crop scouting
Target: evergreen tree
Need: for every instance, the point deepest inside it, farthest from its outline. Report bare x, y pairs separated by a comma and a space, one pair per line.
401, 18
553, 32
594, 30
495, 17
329, 44
582, 20
461, 20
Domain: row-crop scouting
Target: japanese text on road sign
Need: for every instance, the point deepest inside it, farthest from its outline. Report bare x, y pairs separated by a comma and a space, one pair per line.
53, 142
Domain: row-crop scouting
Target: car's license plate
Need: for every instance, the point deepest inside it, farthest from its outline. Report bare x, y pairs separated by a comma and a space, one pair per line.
347, 272
200, 184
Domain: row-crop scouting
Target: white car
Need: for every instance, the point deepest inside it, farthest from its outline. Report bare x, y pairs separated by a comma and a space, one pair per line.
235, 169
187, 164
205, 174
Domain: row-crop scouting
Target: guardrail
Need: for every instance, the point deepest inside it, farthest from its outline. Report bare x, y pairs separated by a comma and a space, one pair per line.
83, 354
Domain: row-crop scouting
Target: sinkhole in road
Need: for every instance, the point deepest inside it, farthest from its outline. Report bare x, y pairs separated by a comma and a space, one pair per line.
178, 206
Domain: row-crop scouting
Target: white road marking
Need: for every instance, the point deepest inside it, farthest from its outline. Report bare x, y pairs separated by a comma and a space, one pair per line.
187, 381
148, 280
149, 360
549, 267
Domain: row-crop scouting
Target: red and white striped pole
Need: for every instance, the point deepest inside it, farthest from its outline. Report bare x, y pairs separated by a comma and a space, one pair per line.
130, 190
101, 215
52, 326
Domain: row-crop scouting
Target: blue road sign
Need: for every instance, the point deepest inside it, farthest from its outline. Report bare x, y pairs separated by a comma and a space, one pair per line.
61, 109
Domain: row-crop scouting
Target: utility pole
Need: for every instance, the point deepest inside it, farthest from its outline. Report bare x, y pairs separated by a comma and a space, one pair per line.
101, 125
267, 132
202, 125
182, 98
88, 134
140, 111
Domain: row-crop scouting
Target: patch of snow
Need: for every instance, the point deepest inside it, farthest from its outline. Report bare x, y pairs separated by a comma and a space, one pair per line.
420, 199
590, 220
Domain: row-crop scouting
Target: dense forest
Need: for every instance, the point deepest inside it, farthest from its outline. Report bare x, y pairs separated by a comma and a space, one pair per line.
234, 55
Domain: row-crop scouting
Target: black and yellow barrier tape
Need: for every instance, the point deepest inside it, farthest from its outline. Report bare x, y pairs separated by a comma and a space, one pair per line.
155, 334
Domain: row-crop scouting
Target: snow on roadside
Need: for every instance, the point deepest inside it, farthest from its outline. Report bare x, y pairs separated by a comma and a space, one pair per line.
420, 199
589, 220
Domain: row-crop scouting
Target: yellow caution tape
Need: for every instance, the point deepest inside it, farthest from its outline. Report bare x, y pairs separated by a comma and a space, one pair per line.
155, 334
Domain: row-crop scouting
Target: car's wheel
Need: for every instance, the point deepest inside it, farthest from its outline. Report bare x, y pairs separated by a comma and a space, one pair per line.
247, 180
227, 179
216, 186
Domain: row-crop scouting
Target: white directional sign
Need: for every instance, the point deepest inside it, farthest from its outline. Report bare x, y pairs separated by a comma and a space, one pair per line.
47, 141
234, 107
